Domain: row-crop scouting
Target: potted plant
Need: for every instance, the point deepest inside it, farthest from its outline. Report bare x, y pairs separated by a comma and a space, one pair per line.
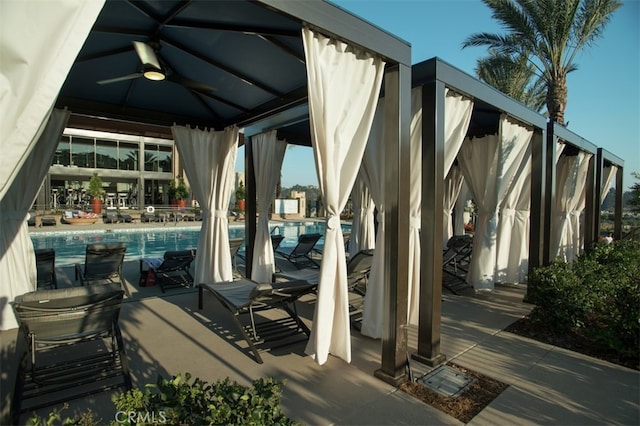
171, 193
181, 192
96, 192
240, 197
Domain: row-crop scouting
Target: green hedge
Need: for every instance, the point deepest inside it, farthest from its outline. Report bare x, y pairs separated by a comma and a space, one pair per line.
181, 401
597, 297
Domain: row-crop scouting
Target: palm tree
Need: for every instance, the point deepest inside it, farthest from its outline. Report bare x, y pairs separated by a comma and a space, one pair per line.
550, 33
515, 77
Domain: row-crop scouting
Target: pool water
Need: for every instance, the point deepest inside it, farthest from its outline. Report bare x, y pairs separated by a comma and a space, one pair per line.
70, 246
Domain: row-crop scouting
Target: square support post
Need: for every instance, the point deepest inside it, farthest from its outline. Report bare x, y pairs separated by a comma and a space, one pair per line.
617, 224
429, 320
538, 197
251, 205
396, 260
550, 193
591, 189
598, 196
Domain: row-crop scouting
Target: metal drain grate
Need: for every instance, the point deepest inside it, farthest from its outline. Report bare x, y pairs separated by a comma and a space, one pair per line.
446, 381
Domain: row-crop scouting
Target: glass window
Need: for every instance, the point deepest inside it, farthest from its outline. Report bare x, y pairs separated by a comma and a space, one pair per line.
128, 156
106, 154
151, 158
165, 163
82, 152
62, 155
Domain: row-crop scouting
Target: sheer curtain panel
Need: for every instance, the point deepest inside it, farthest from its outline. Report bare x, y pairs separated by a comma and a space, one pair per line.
39, 41
344, 85
608, 177
452, 187
18, 261
209, 159
489, 165
570, 185
513, 227
362, 228
372, 173
268, 153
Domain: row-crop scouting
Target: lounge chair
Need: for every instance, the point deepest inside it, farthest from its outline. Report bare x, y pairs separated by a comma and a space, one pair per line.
110, 217
147, 217
31, 220
172, 270
46, 267
125, 218
358, 270
246, 297
276, 239
235, 244
300, 255
48, 221
103, 265
52, 320
346, 236
455, 261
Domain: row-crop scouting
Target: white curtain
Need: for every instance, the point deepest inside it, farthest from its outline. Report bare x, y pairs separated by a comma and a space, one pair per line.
513, 226
461, 203
452, 186
372, 173
17, 258
362, 228
569, 202
457, 117
489, 165
39, 40
268, 154
608, 177
415, 208
209, 159
344, 85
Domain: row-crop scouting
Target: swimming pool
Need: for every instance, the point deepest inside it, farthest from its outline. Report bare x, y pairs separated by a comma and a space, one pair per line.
153, 242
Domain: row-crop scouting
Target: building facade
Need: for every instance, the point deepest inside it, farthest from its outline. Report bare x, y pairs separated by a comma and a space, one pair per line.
136, 170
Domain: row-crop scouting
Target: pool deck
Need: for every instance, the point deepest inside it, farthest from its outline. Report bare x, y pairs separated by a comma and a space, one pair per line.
167, 334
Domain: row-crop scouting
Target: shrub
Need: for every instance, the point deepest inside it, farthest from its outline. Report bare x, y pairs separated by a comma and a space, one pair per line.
179, 401
597, 297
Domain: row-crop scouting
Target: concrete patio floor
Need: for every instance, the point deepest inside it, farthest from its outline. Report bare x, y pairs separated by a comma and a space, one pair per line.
167, 334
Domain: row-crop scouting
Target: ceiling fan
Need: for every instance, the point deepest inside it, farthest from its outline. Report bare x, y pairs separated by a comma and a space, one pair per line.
156, 69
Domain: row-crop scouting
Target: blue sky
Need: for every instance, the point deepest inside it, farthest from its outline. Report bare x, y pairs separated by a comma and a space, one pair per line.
604, 93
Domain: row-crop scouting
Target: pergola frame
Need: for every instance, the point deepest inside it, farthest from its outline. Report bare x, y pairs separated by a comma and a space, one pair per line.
604, 158
434, 76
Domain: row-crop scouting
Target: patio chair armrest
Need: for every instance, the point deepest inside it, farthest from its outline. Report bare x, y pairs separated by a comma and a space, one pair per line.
79, 273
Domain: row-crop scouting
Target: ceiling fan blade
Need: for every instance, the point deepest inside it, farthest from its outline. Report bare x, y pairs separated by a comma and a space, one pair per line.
121, 78
190, 84
147, 55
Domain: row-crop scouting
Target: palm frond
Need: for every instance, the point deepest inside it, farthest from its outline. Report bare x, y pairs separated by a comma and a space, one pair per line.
548, 33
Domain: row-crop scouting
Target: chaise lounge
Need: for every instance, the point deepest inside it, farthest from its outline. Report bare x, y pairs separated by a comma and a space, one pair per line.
172, 270
49, 371
244, 298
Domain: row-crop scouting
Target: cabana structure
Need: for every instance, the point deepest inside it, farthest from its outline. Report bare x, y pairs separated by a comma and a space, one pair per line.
609, 169
207, 70
437, 81
513, 178
194, 65
582, 177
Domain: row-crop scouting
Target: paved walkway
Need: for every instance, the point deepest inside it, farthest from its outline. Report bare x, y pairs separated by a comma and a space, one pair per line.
167, 334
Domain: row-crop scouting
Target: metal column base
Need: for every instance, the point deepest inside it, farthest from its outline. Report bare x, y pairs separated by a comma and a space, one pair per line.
431, 362
393, 381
